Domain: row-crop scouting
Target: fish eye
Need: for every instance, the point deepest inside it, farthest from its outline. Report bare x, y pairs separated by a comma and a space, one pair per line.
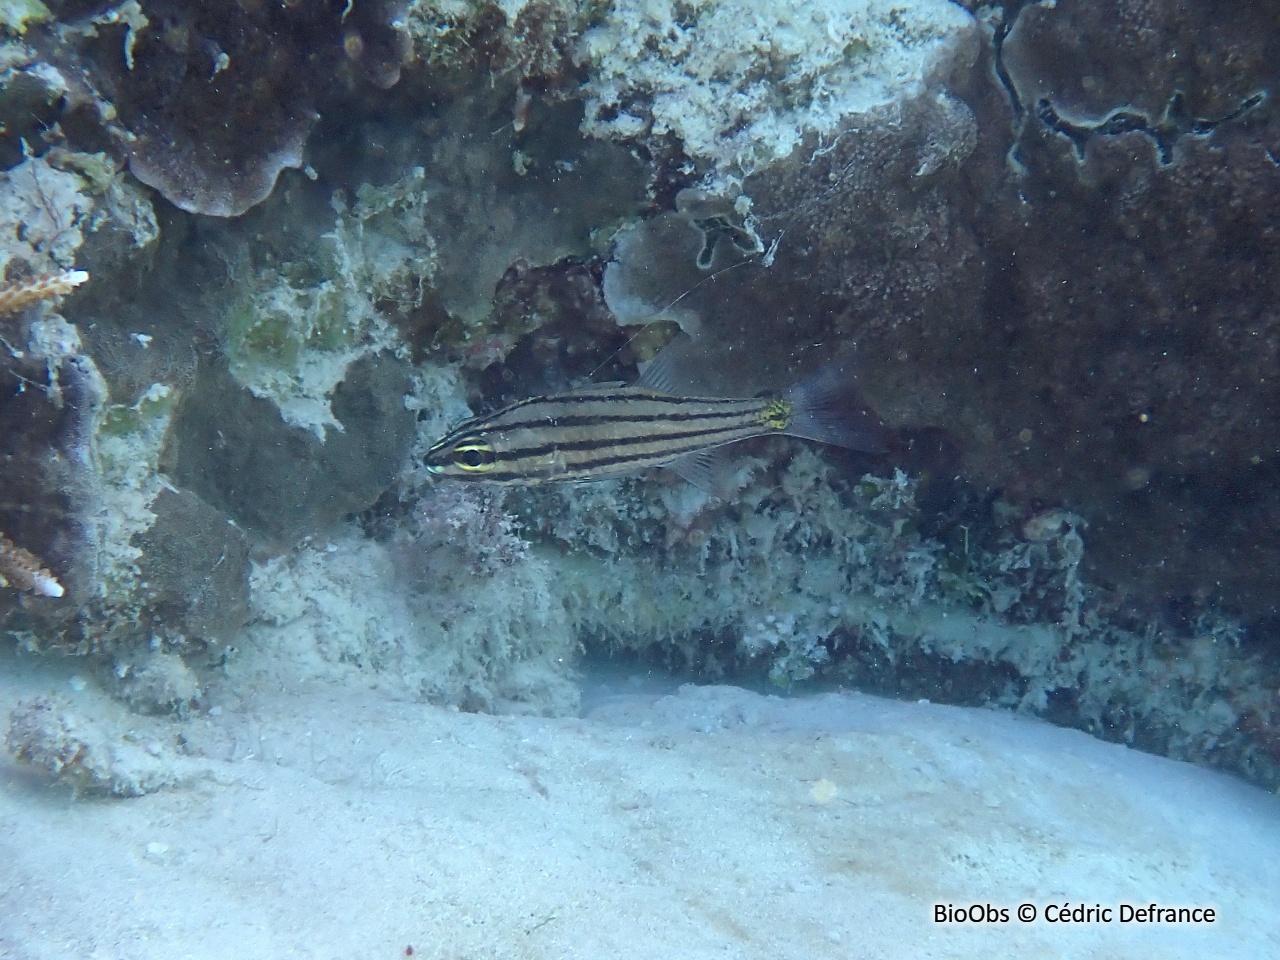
475, 457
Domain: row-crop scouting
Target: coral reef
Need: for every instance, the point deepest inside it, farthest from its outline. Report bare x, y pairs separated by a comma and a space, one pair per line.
296, 337
88, 520
88, 492
194, 563
1132, 283
45, 212
281, 482
1047, 264
528, 41
1084, 360
806, 576
859, 227
20, 568
740, 85
1021, 288
52, 396
209, 105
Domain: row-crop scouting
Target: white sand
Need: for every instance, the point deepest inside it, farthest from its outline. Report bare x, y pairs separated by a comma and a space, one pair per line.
712, 823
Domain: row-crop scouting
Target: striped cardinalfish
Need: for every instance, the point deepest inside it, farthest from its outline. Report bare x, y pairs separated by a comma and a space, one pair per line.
610, 430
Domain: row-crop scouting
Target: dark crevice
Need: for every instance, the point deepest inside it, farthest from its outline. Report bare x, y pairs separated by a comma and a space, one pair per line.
1175, 124
1009, 14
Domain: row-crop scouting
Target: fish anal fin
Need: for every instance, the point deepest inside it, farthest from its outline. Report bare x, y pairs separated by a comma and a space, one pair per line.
713, 471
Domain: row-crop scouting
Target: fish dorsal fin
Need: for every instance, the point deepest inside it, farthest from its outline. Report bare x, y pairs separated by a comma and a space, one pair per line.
713, 471
676, 370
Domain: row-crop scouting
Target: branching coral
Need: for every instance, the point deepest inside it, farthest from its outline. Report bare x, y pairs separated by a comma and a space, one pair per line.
23, 570
19, 296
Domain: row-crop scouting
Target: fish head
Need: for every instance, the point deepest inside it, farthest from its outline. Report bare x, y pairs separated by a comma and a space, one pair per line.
461, 455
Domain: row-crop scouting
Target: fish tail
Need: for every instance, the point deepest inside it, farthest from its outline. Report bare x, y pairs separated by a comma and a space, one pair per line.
828, 407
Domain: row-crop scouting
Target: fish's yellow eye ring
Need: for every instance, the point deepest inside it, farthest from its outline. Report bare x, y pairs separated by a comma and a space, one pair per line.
474, 457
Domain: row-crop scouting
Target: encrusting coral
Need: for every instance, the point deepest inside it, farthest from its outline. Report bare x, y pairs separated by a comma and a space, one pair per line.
19, 567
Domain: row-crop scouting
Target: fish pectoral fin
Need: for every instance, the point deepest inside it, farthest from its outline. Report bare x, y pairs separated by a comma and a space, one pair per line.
714, 471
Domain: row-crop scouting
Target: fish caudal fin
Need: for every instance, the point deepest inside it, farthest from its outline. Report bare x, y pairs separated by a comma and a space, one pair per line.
827, 407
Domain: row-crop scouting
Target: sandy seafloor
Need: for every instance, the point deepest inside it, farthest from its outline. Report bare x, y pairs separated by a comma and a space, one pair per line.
706, 823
